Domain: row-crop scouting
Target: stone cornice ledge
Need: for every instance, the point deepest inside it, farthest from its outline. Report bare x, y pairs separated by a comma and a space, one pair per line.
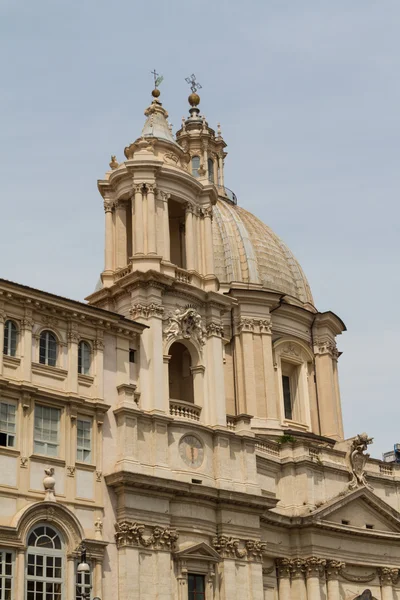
123, 480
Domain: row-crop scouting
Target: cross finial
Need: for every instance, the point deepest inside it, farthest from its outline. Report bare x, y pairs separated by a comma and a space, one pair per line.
157, 78
194, 85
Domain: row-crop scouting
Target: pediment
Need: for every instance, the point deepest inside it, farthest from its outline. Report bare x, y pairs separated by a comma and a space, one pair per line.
358, 509
201, 551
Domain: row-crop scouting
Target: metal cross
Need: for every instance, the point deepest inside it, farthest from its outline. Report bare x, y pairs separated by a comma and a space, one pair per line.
194, 85
157, 78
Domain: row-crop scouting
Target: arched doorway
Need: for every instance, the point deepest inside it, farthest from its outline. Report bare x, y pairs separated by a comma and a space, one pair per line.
180, 374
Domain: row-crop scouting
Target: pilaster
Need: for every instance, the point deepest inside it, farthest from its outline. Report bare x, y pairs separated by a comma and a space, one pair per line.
138, 239
151, 219
121, 243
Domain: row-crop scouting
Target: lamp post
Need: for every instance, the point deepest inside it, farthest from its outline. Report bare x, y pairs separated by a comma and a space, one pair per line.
84, 568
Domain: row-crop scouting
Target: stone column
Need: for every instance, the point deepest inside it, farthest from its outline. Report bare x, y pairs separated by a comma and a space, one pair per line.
314, 568
151, 219
109, 236
215, 367
121, 244
221, 170
70, 578
2, 320
283, 569
166, 237
298, 582
245, 328
215, 163
333, 569
329, 403
26, 346
189, 237
138, 220
73, 339
98, 579
208, 239
387, 576
269, 374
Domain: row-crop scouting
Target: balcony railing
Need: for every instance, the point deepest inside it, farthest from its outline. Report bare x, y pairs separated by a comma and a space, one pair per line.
227, 194
185, 410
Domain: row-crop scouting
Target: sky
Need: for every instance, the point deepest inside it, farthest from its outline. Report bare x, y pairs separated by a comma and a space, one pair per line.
308, 95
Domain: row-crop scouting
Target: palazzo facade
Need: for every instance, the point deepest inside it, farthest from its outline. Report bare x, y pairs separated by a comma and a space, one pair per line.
184, 425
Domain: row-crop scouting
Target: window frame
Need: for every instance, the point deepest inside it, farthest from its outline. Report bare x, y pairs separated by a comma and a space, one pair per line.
195, 170
47, 360
3, 575
88, 585
82, 344
46, 442
44, 553
6, 432
211, 176
8, 338
196, 595
79, 447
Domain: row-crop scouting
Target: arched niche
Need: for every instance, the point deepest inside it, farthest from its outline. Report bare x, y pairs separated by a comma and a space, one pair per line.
180, 376
184, 378
176, 219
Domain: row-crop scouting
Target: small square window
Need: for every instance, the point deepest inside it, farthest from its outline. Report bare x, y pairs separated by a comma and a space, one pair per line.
368, 526
345, 522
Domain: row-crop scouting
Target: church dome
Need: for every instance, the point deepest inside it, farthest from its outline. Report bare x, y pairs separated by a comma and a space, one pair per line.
248, 251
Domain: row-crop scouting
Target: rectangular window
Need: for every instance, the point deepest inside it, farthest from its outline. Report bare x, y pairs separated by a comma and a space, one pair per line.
6, 575
7, 425
287, 398
132, 355
84, 440
47, 427
196, 587
83, 583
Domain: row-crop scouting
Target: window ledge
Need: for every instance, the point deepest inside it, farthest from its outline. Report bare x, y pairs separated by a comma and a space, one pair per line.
85, 379
296, 425
85, 466
60, 462
9, 451
11, 361
54, 372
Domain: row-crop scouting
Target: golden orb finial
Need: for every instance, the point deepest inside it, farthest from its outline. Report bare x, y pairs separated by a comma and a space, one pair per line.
194, 99
155, 93
157, 80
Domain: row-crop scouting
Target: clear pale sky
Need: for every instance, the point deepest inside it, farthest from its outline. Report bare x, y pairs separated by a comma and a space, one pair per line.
308, 96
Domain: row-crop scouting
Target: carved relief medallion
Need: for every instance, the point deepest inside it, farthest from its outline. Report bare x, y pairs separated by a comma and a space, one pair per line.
191, 451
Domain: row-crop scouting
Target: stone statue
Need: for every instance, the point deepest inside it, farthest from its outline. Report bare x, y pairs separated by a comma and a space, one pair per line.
358, 458
49, 484
186, 324
366, 595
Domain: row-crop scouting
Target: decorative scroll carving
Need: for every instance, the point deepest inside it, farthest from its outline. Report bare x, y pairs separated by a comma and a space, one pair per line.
314, 566
265, 326
99, 475
71, 471
24, 462
245, 324
334, 568
229, 547
187, 324
215, 329
205, 211
73, 336
49, 484
27, 323
98, 344
146, 310
358, 458
326, 346
108, 206
129, 533
388, 576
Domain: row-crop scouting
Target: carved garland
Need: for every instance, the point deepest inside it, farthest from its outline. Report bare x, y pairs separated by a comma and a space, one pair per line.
146, 310
130, 533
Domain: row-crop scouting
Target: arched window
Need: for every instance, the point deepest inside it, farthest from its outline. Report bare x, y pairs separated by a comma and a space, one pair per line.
84, 353
10, 338
48, 349
195, 166
210, 164
45, 565
180, 374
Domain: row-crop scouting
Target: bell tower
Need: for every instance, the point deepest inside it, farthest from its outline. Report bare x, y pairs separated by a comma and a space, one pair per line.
159, 262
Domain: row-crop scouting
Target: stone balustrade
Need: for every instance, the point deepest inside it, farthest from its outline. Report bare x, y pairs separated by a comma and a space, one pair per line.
185, 410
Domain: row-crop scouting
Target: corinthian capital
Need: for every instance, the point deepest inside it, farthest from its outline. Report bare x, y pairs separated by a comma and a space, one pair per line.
283, 567
108, 206
388, 576
314, 566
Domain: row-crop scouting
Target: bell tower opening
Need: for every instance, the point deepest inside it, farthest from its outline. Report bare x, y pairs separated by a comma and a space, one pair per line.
180, 374
176, 212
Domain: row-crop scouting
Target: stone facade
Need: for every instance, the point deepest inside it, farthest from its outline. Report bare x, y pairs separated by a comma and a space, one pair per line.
185, 425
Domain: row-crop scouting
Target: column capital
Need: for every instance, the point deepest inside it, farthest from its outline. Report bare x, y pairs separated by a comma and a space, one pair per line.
27, 323
189, 208
297, 568
150, 187
206, 212
314, 566
388, 576
333, 568
138, 187
283, 568
108, 206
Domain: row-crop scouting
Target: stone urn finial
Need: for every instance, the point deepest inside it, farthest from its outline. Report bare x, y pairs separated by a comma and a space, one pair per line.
49, 484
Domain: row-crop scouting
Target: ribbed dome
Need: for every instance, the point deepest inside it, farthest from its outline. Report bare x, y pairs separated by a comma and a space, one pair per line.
248, 251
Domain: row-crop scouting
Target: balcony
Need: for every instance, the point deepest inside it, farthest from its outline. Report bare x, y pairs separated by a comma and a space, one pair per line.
227, 194
184, 410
